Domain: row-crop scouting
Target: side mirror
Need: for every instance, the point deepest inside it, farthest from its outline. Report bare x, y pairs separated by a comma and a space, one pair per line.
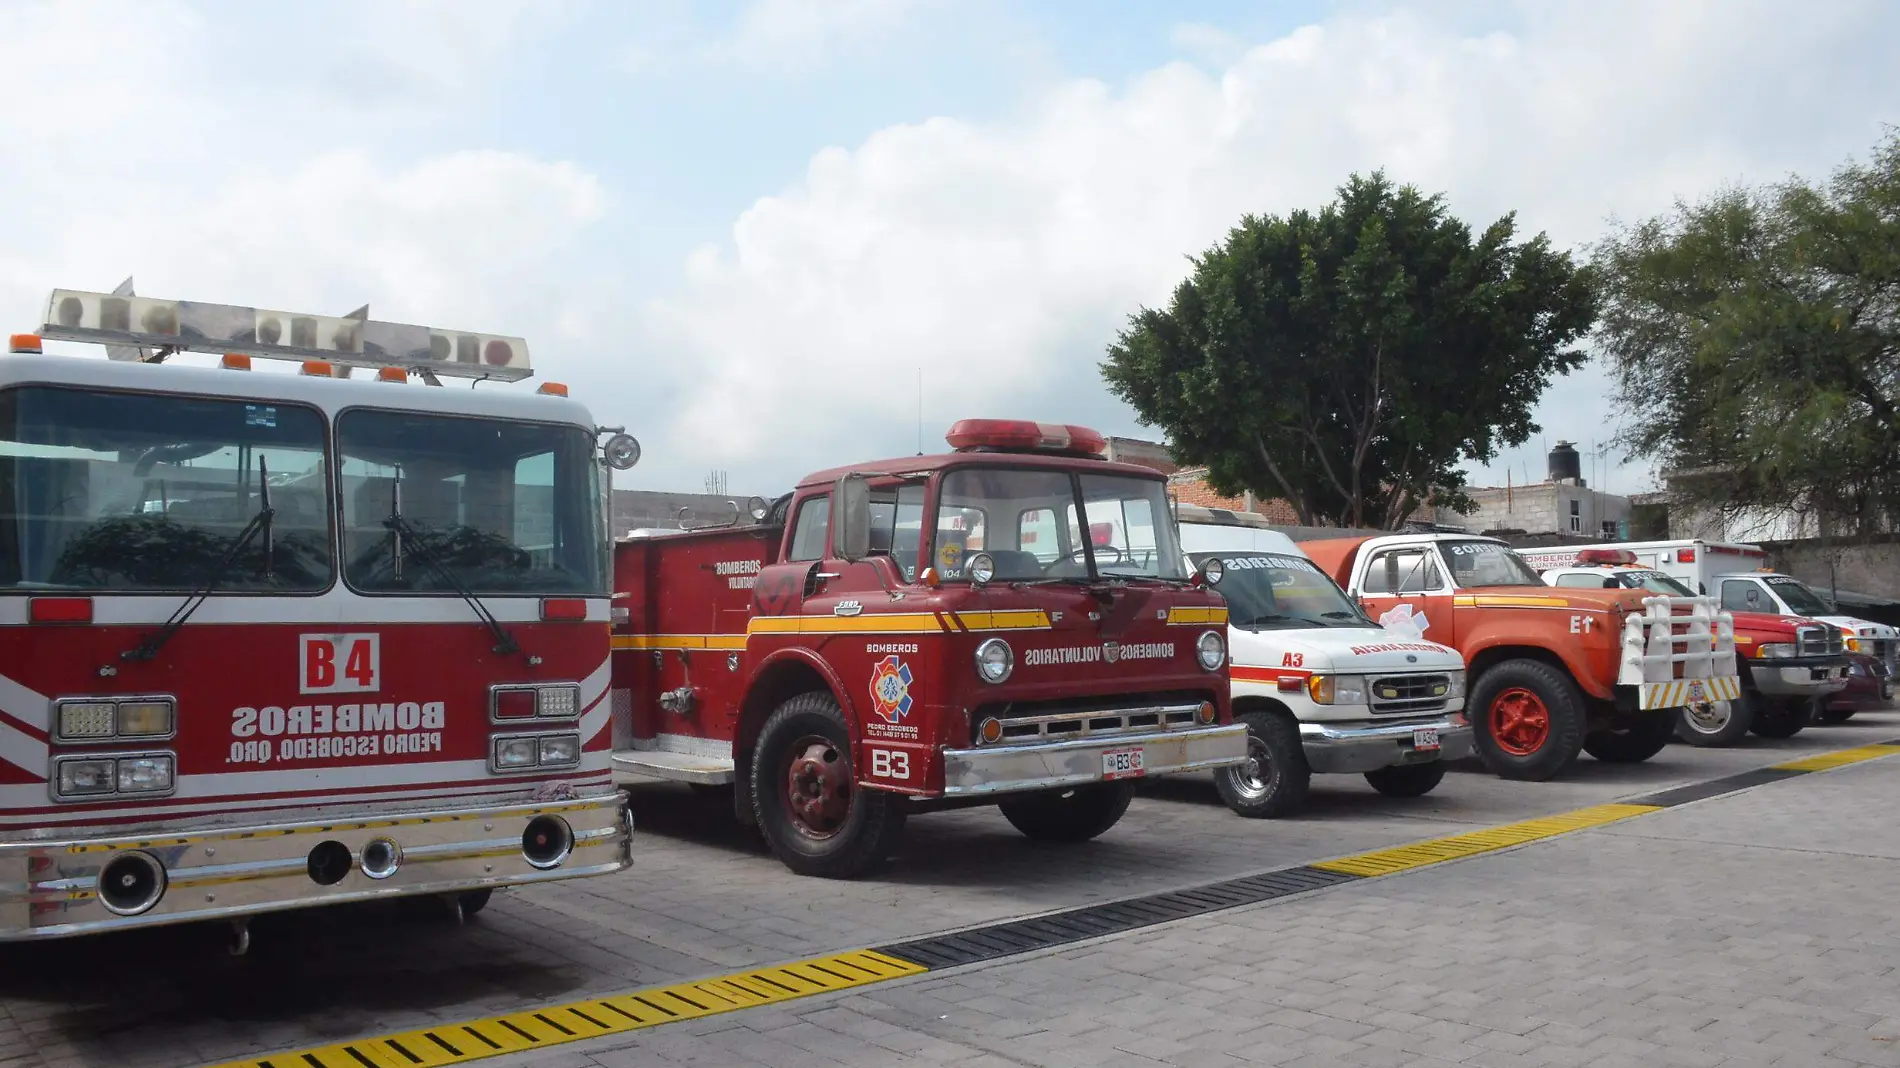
851, 518
620, 452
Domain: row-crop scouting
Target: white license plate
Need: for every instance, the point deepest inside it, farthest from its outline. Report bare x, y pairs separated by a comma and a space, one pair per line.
1425, 738
1121, 763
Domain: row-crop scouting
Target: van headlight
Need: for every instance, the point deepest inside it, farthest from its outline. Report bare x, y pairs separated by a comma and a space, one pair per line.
1211, 650
1336, 689
1457, 679
994, 660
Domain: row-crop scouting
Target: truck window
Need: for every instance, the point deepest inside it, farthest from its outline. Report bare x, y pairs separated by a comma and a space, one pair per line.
136, 492
1476, 564
1403, 571
1039, 536
1588, 581
1741, 595
1140, 536
897, 525
504, 507
808, 535
1798, 597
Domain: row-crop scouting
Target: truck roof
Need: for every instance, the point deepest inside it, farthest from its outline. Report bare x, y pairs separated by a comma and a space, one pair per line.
922, 465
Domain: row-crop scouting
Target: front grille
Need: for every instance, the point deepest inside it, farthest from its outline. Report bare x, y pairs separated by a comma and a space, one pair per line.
1398, 695
1818, 641
1882, 649
1030, 722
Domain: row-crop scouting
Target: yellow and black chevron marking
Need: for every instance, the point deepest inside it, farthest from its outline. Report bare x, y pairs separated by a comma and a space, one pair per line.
596, 1017
458, 1043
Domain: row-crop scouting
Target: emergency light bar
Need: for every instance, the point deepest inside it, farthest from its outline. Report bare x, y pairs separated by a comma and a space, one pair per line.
109, 319
1024, 435
1605, 556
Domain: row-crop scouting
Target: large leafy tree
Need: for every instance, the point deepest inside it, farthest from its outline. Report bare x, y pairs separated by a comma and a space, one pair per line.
1349, 360
1756, 339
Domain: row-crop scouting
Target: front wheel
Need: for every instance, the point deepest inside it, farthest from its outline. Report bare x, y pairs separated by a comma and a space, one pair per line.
1717, 723
1784, 719
1529, 720
1074, 815
1407, 780
1644, 738
1274, 779
806, 798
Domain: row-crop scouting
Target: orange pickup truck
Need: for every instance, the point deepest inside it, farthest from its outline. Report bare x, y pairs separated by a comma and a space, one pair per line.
1552, 672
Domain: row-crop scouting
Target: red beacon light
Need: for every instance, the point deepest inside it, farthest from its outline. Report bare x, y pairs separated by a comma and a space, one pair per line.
1025, 435
1605, 557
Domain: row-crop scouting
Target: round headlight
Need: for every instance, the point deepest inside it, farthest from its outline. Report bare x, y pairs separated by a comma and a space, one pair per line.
981, 568
1211, 650
994, 660
1212, 571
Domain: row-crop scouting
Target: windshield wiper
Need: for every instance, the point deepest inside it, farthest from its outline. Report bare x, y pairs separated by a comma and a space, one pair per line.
399, 529
1264, 617
260, 524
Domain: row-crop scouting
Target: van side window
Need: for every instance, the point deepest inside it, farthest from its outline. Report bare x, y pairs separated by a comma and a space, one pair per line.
808, 535
1588, 581
1735, 595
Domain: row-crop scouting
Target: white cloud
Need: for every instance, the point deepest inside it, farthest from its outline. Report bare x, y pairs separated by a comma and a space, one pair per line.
777, 36
1003, 257
153, 159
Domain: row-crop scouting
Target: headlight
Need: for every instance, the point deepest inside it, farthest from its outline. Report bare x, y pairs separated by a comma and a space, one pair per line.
1774, 650
1211, 650
994, 660
87, 720
1213, 571
980, 568
517, 752
1337, 689
1853, 644
145, 719
145, 775
1457, 684
78, 778
558, 749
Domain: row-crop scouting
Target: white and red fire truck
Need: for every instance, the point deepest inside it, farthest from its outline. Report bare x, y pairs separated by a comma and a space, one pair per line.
278, 640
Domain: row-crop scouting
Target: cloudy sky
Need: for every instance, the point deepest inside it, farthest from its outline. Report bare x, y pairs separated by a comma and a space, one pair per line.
747, 230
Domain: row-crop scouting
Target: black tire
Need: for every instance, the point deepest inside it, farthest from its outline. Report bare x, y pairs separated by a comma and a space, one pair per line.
474, 901
1563, 704
1407, 780
1074, 815
1719, 723
1274, 781
873, 820
1645, 737
1833, 716
1783, 719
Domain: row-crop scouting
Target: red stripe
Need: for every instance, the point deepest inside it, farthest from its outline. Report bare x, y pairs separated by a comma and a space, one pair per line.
1241, 674
22, 726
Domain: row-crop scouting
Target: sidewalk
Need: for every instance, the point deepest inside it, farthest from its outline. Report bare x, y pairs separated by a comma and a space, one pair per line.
1762, 928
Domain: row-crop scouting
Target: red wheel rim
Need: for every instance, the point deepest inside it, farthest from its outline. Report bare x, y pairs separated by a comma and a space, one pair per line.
1520, 722
817, 787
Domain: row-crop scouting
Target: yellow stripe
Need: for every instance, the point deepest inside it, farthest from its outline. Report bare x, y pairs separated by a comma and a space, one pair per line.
1207, 615
1458, 846
887, 623
1495, 601
1840, 759
1022, 619
616, 1014
679, 641
1463, 600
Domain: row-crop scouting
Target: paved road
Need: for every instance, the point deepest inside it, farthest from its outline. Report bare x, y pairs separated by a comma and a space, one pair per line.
706, 898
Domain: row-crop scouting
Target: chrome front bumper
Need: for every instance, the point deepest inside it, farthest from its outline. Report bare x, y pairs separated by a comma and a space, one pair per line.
1332, 748
50, 889
1046, 765
1802, 681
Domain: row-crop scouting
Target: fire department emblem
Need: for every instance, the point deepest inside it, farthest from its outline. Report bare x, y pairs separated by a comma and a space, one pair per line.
890, 689
1111, 651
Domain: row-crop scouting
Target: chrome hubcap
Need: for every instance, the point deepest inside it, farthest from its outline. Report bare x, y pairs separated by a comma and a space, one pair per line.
1709, 716
1255, 777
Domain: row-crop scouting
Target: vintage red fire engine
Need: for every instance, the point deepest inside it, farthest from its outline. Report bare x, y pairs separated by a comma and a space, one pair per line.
276, 640
923, 632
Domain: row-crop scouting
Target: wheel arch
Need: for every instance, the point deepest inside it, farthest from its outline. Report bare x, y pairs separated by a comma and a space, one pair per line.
782, 676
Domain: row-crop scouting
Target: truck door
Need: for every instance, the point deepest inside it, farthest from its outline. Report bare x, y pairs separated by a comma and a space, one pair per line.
1747, 595
1406, 590
781, 588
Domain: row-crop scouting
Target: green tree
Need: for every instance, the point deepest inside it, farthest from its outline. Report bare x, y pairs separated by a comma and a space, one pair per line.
1349, 360
1756, 340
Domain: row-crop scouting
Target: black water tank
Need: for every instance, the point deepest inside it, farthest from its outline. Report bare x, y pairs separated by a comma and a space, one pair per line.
1565, 463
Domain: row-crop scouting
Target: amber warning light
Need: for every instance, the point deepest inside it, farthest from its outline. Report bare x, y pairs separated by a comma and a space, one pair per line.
1024, 435
1587, 557
184, 325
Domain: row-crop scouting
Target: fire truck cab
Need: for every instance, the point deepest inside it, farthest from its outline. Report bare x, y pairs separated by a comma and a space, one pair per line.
278, 640
1010, 622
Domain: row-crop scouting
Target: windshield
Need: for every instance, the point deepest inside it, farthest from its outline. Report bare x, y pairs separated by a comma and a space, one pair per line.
1655, 582
1798, 597
139, 492
1486, 563
1268, 590
1031, 523
506, 507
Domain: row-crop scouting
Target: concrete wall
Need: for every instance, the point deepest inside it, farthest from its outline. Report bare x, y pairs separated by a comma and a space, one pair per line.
1541, 508
1861, 565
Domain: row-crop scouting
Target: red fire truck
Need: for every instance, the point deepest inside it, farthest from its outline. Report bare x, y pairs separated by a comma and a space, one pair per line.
278, 640
1011, 622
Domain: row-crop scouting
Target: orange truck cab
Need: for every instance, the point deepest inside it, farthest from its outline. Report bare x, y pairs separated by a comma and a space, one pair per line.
1010, 622
1553, 672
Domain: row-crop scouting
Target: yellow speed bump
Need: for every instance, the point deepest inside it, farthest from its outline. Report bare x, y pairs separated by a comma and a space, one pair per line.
1840, 758
1458, 846
614, 1014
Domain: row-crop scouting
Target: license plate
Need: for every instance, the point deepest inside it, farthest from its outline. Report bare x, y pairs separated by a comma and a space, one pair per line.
1121, 763
1425, 738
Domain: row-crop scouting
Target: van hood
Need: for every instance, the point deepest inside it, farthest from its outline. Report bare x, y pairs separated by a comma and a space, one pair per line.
1860, 628
1339, 650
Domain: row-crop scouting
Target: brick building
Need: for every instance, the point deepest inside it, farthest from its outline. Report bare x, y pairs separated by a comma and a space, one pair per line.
1189, 484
